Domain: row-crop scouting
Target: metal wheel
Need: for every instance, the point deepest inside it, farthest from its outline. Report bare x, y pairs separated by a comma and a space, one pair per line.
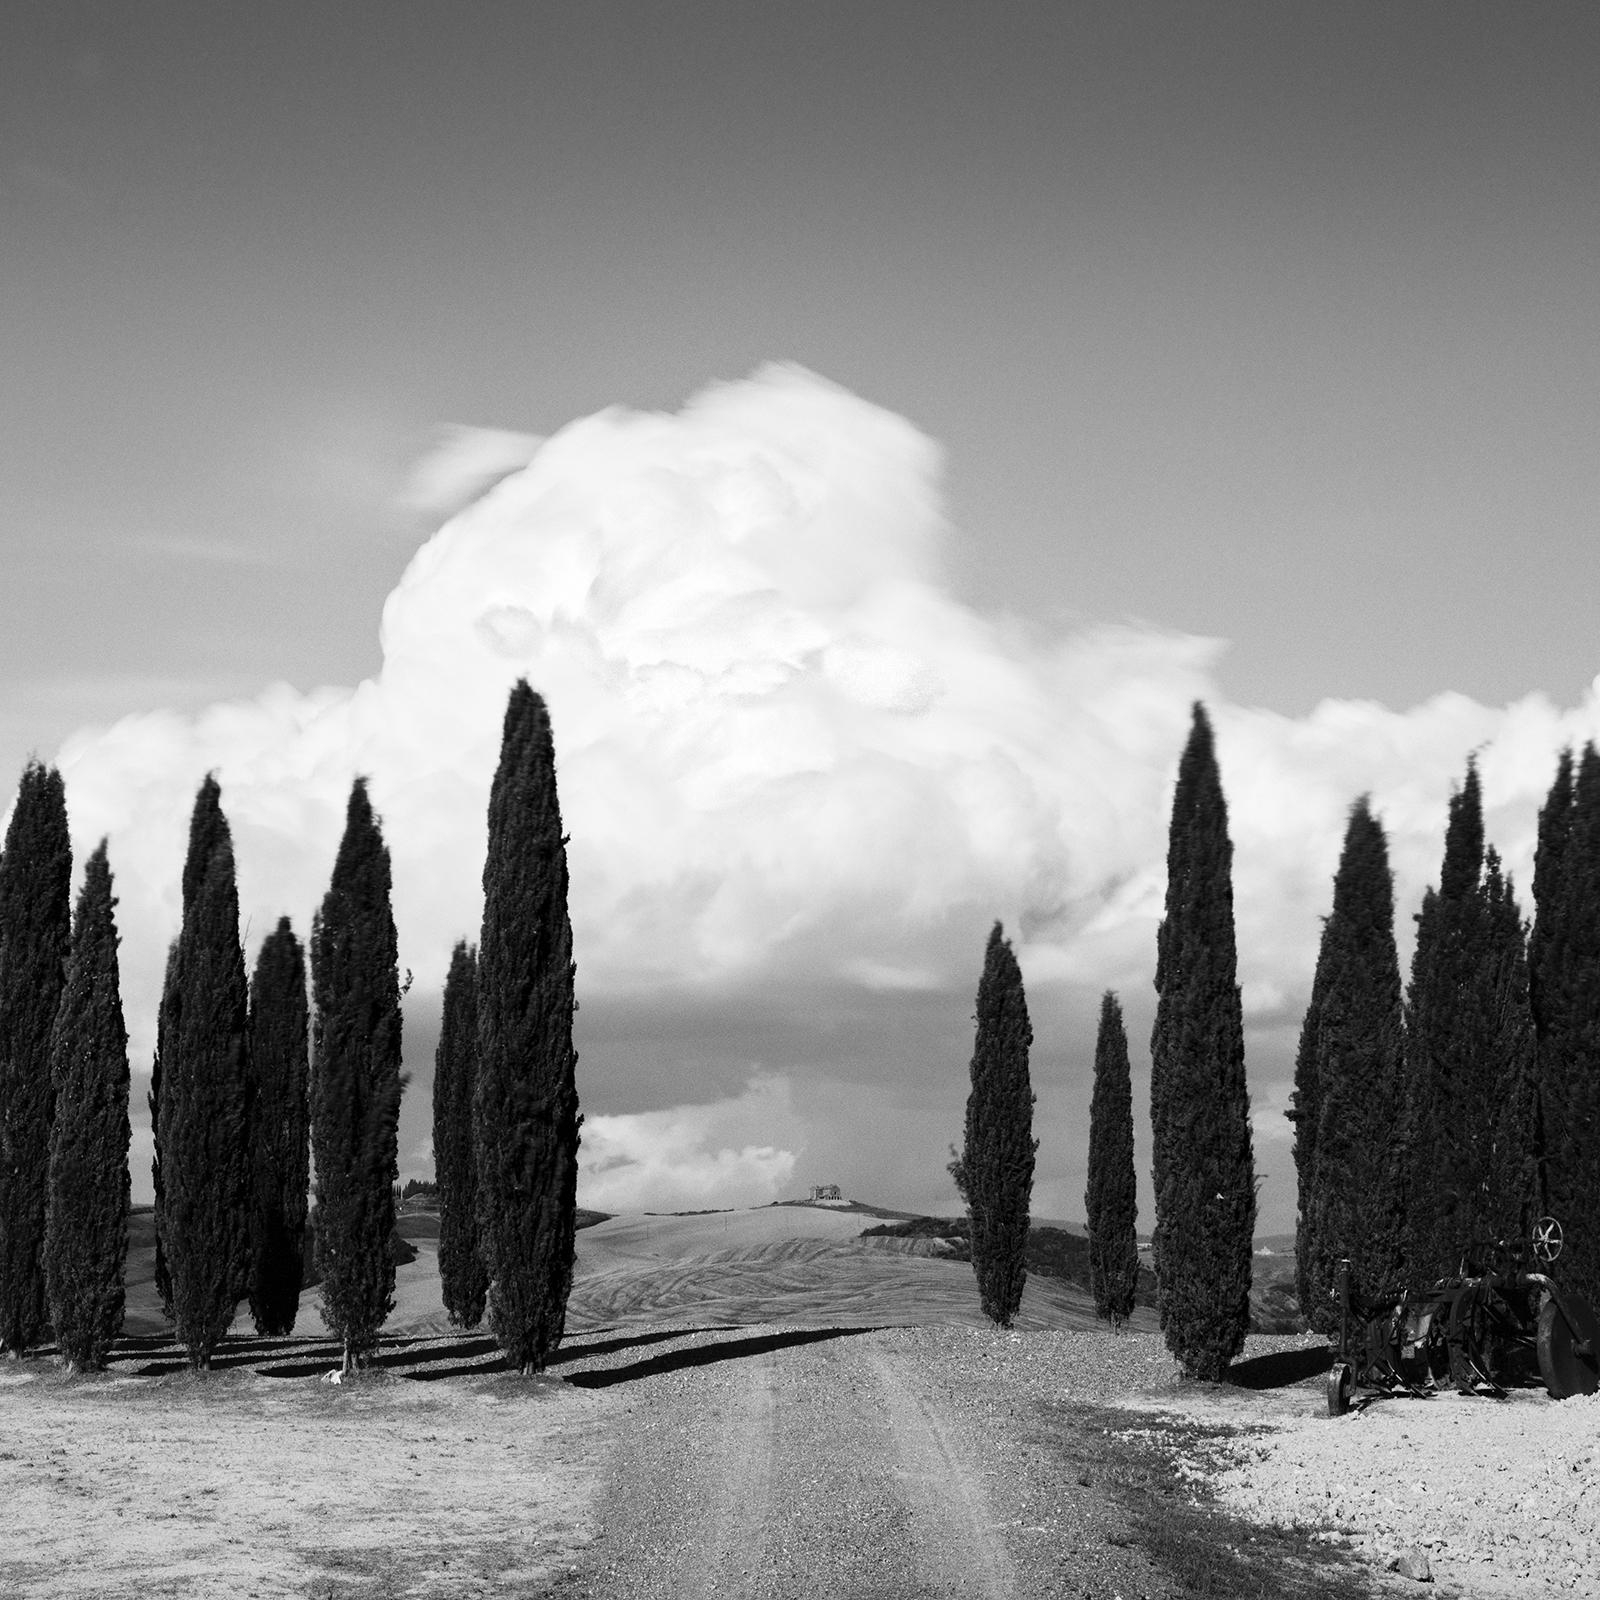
1547, 1239
1567, 1359
1341, 1383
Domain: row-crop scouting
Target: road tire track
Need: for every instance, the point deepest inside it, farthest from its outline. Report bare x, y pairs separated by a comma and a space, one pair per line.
958, 1544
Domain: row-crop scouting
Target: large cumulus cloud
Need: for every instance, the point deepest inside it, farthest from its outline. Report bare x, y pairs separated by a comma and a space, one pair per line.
788, 754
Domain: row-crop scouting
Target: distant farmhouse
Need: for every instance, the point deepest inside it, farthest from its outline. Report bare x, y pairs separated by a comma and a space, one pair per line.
824, 1191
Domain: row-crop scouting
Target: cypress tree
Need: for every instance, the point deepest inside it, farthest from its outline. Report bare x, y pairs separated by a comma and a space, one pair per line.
279, 1130
1544, 998
1199, 1103
1567, 937
1305, 1115
1111, 1199
994, 1171
86, 1236
207, 826
35, 937
462, 1278
1442, 972
1349, 1074
204, 1111
1469, 1172
1505, 1157
526, 1102
356, 1085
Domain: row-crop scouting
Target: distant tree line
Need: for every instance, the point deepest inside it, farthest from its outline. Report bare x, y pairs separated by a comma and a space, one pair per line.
250, 1082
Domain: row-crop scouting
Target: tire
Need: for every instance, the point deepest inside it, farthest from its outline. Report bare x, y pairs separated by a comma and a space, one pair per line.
1567, 1354
1341, 1385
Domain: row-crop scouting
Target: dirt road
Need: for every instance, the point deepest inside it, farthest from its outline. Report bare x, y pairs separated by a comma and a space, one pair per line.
835, 1464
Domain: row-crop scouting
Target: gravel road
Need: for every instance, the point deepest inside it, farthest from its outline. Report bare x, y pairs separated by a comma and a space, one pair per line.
864, 1465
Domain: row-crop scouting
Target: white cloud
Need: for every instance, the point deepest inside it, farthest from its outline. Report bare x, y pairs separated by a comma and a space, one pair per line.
462, 464
1268, 1123
690, 1156
784, 745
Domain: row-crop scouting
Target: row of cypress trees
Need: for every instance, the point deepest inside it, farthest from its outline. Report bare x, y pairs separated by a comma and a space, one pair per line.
1200, 1110
1432, 1123
249, 1083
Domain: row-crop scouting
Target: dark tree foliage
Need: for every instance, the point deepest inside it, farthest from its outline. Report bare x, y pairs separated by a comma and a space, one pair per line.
1199, 1103
1504, 1148
1544, 998
1468, 1050
86, 1238
1111, 1199
462, 1278
279, 1130
204, 1110
1567, 939
35, 936
207, 826
1305, 1114
994, 1171
356, 1085
526, 1104
1348, 1079
1555, 829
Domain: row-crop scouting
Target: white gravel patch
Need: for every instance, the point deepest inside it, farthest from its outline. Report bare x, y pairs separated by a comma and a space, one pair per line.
1503, 1496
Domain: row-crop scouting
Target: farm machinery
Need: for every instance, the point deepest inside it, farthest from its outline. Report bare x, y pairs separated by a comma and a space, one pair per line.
1497, 1323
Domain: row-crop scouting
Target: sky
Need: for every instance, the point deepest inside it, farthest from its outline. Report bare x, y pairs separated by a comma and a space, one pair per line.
940, 398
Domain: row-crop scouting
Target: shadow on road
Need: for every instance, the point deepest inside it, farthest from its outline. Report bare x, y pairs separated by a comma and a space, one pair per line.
1280, 1370
427, 1357
702, 1355
566, 1353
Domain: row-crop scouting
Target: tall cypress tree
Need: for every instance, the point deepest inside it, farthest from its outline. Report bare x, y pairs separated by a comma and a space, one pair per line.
1199, 1103
207, 825
1111, 1199
35, 937
356, 1084
994, 1171
462, 1278
1305, 1115
1348, 1082
526, 1104
1468, 1048
1506, 1156
86, 1237
1442, 971
1567, 942
1544, 997
279, 1130
204, 1111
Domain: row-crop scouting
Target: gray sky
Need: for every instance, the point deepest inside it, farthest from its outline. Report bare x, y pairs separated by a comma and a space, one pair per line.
1273, 324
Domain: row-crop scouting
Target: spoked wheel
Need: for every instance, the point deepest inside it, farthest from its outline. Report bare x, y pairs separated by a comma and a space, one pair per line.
1341, 1384
1475, 1355
1568, 1338
1547, 1239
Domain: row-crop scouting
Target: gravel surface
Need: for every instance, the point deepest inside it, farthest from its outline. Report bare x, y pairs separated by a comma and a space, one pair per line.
905, 1463
1503, 1496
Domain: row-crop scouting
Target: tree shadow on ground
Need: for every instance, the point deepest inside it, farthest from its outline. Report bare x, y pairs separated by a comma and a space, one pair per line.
566, 1353
1279, 1370
428, 1357
702, 1355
